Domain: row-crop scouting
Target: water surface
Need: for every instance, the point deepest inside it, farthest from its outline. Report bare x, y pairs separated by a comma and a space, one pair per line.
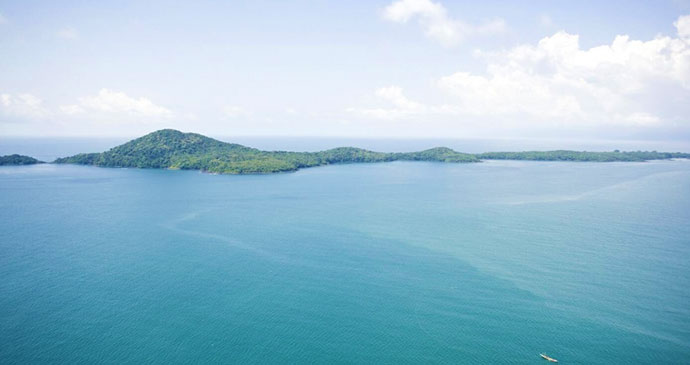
403, 262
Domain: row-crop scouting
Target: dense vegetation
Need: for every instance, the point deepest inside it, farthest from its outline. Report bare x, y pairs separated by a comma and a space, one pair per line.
176, 150
189, 151
562, 155
18, 160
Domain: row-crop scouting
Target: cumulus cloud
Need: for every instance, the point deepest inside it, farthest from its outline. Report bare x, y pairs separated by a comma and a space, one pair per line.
400, 105
22, 106
628, 82
116, 103
72, 109
683, 26
434, 19
106, 106
556, 78
395, 95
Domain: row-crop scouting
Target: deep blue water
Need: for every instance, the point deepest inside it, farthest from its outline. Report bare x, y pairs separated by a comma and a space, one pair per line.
386, 263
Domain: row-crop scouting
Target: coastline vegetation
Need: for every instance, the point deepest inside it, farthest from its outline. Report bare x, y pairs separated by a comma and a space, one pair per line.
190, 151
173, 149
18, 160
563, 155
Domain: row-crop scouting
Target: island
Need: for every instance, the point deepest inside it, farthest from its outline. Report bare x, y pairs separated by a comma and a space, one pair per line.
18, 160
565, 155
172, 149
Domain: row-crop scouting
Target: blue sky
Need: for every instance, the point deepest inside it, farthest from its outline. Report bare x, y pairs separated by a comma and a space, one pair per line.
410, 68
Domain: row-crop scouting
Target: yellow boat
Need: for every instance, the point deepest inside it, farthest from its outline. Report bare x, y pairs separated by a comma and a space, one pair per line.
548, 358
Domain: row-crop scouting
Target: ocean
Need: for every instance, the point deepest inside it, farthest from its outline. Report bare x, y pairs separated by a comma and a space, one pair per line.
386, 263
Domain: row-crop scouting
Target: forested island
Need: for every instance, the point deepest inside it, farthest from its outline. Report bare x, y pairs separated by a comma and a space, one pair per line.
173, 149
564, 155
18, 160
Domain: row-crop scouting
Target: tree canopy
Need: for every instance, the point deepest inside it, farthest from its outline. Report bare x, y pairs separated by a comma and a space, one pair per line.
173, 149
18, 160
190, 151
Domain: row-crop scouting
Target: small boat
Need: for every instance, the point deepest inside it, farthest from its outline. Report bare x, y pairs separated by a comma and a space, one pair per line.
548, 358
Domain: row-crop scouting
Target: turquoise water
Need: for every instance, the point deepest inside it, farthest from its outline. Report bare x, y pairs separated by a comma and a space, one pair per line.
384, 263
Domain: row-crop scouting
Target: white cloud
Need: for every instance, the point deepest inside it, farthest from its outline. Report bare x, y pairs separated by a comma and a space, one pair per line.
555, 82
72, 109
108, 102
683, 26
400, 106
395, 95
436, 23
68, 33
22, 106
556, 78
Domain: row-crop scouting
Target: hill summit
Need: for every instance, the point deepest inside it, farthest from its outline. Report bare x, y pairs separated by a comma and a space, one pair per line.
18, 160
172, 149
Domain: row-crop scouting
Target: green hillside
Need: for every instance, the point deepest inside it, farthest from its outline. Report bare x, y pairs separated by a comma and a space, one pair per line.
190, 151
173, 149
563, 155
18, 160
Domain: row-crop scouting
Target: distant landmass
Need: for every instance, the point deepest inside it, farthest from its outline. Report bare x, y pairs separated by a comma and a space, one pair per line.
18, 160
173, 149
564, 155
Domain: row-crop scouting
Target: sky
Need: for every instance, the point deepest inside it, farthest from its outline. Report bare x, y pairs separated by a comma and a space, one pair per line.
609, 70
